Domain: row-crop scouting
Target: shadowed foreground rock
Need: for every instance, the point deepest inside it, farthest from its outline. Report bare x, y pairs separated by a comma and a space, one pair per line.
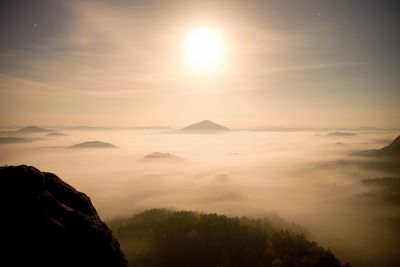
46, 222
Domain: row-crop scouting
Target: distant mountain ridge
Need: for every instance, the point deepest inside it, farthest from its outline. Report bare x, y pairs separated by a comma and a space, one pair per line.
161, 156
385, 159
33, 129
392, 150
205, 125
93, 144
26, 130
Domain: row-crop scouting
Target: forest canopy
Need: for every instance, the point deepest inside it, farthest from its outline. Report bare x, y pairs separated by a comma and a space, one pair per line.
160, 237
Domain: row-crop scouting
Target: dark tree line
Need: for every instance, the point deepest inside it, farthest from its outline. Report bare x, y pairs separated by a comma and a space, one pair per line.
165, 238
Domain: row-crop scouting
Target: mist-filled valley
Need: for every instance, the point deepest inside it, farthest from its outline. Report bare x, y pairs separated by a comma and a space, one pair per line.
221, 133
314, 178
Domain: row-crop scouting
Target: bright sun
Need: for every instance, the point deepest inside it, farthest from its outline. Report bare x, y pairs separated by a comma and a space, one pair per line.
204, 50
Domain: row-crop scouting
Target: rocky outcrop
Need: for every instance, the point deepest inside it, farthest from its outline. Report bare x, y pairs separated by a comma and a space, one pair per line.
46, 222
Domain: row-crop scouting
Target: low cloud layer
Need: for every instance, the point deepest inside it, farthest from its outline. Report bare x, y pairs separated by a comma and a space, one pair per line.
307, 177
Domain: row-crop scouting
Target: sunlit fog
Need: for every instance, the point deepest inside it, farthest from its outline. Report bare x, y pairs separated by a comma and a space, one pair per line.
309, 177
200, 133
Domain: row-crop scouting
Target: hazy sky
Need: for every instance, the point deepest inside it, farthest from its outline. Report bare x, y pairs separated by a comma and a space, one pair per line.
122, 63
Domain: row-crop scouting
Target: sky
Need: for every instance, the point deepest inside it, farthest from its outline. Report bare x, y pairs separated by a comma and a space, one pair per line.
319, 64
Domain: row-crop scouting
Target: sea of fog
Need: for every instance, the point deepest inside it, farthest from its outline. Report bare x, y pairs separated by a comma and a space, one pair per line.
308, 177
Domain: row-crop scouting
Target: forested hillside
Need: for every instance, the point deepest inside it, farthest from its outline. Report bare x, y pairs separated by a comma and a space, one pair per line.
167, 238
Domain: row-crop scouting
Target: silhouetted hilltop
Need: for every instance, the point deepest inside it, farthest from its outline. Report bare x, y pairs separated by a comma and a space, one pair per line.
390, 151
385, 159
46, 222
205, 125
158, 238
393, 148
33, 129
341, 134
93, 144
159, 156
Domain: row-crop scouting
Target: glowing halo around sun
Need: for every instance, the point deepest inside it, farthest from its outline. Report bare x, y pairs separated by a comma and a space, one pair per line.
204, 50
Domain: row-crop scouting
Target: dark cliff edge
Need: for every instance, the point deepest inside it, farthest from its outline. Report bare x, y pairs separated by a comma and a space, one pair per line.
46, 222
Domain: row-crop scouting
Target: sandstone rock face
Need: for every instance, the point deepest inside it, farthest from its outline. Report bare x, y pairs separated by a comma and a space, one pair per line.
46, 222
